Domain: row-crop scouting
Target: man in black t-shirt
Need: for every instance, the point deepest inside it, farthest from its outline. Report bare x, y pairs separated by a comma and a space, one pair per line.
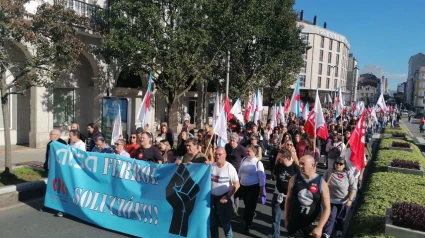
284, 170
148, 152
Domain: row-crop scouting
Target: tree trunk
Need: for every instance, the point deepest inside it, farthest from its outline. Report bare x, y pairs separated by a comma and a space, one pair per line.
269, 113
6, 126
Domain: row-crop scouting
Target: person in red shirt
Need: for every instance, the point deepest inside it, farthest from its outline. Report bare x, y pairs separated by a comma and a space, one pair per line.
133, 145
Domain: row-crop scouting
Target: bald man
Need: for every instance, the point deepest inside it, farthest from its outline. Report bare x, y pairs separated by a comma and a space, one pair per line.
224, 184
54, 136
306, 192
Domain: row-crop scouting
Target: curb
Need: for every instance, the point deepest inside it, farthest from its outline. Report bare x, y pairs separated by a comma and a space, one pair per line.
348, 231
13, 194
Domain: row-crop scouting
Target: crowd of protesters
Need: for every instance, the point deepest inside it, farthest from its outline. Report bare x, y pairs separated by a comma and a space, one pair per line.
310, 205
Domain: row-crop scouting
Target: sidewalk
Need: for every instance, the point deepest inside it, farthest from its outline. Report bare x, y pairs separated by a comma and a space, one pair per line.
413, 129
24, 155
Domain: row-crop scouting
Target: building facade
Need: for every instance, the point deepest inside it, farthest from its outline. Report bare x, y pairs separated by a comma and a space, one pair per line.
352, 76
415, 62
326, 61
419, 80
368, 87
78, 97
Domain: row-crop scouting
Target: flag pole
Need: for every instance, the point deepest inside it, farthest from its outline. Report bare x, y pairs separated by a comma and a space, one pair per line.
209, 143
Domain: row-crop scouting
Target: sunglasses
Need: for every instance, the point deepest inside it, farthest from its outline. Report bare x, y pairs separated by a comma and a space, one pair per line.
133, 137
117, 144
290, 144
339, 163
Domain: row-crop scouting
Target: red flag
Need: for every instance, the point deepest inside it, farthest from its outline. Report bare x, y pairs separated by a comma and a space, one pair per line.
357, 144
248, 110
369, 110
354, 107
310, 125
227, 108
302, 106
287, 103
322, 132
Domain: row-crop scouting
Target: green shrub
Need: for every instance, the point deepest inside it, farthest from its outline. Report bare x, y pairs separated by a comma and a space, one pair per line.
390, 130
381, 192
383, 188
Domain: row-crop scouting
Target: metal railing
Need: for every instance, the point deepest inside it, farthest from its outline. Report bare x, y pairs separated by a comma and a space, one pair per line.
87, 10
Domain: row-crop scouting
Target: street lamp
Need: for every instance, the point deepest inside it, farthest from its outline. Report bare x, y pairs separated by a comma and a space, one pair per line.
354, 91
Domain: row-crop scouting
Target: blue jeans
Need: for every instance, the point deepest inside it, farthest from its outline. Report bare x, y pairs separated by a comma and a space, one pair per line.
221, 213
277, 213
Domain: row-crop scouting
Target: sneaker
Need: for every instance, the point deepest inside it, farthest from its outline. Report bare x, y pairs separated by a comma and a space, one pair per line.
326, 235
339, 234
59, 214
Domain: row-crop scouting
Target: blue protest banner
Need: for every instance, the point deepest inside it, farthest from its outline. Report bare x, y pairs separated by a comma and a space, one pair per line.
130, 196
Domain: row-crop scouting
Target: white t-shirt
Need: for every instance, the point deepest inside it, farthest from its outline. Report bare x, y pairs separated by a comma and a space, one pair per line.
79, 145
222, 179
249, 174
125, 153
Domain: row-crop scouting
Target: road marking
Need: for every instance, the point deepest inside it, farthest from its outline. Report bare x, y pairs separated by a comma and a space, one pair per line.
405, 127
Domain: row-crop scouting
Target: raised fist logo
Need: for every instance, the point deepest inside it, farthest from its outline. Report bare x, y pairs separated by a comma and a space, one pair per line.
181, 195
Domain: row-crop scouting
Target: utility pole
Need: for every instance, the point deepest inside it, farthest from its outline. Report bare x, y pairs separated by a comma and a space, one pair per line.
227, 74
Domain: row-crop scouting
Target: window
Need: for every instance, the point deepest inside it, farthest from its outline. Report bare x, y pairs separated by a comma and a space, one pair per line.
63, 109
330, 58
302, 80
362, 94
328, 81
322, 42
423, 101
337, 60
330, 44
335, 83
328, 72
321, 56
319, 82
336, 71
320, 68
338, 47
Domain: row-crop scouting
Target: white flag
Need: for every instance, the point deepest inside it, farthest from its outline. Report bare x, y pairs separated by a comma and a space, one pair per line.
281, 114
117, 128
381, 103
237, 110
216, 113
305, 112
273, 119
220, 129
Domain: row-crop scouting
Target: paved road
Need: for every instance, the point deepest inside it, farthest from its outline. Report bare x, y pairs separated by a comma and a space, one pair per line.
25, 220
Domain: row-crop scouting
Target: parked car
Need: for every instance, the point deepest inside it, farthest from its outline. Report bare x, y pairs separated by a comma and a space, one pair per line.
404, 113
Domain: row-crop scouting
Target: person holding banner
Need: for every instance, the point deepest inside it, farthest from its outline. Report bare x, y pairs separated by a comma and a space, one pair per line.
74, 138
224, 183
147, 152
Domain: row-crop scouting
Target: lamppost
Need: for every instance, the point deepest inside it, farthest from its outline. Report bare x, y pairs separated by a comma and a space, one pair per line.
354, 88
332, 77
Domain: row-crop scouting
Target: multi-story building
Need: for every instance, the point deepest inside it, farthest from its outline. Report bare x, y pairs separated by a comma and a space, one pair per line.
368, 87
386, 87
352, 75
415, 63
401, 87
325, 63
419, 80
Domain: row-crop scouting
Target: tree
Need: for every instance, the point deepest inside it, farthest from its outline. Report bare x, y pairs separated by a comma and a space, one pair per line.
166, 38
264, 43
51, 35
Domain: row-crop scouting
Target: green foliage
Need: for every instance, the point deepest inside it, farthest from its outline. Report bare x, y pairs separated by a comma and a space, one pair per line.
390, 130
21, 175
384, 189
50, 33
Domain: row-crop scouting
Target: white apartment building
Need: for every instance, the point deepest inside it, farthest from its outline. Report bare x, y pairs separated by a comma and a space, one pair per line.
352, 76
325, 63
415, 63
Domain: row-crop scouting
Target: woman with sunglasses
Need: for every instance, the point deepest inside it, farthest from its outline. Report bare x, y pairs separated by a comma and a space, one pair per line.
289, 145
133, 145
342, 190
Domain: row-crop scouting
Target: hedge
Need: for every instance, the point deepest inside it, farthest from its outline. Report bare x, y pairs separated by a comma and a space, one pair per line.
385, 155
383, 189
390, 130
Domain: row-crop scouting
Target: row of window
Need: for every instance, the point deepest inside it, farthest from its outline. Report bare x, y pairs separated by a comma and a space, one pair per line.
368, 94
331, 44
328, 81
329, 57
328, 70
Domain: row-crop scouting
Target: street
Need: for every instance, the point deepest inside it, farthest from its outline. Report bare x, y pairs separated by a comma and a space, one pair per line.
25, 220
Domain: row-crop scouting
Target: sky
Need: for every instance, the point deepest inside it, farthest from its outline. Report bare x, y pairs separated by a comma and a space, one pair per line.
381, 32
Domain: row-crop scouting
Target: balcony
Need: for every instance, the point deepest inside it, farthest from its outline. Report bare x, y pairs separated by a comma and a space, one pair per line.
87, 10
